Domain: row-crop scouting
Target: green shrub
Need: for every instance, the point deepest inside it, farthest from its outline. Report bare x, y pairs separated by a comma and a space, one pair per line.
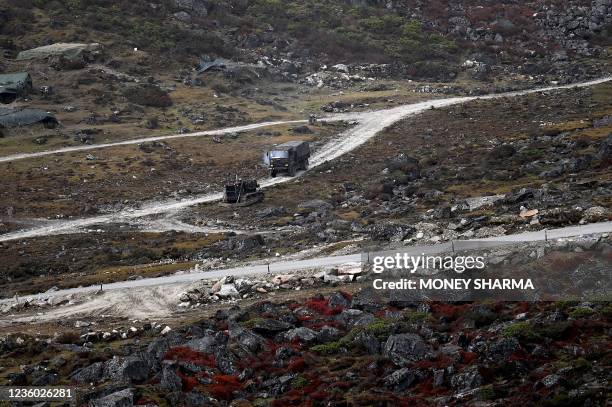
300, 382
520, 330
380, 327
327, 348
581, 312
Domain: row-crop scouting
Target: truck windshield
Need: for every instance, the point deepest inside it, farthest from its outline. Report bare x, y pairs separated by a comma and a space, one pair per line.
278, 154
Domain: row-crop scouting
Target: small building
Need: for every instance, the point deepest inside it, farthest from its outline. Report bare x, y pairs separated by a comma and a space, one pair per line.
14, 85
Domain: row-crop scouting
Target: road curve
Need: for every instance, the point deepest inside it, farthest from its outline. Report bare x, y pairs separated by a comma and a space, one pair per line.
286, 266
381, 114
369, 124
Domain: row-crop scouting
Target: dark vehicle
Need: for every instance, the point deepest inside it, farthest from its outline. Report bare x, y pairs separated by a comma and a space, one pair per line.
288, 158
242, 192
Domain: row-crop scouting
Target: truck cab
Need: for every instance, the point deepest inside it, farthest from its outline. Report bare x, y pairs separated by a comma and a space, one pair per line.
288, 158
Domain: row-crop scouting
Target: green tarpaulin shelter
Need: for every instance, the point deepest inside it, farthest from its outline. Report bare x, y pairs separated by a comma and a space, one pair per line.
25, 117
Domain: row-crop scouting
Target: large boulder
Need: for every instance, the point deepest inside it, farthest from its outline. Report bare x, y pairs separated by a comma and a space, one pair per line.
71, 51
248, 340
193, 7
170, 380
368, 342
354, 317
366, 299
400, 380
270, 326
391, 232
123, 398
129, 369
245, 242
502, 348
409, 166
604, 153
301, 334
93, 373
316, 205
469, 379
406, 348
205, 344
159, 346
338, 300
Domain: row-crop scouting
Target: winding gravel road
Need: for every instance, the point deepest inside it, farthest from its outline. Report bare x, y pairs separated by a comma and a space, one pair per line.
369, 124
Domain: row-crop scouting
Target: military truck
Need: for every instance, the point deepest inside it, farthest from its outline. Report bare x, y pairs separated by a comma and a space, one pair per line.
241, 192
288, 158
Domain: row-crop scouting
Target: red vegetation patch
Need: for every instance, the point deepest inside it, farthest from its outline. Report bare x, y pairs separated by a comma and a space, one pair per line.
293, 306
439, 363
427, 389
292, 398
521, 307
304, 318
224, 387
186, 354
519, 355
322, 307
468, 357
143, 401
343, 385
319, 395
189, 382
297, 365
348, 296
449, 311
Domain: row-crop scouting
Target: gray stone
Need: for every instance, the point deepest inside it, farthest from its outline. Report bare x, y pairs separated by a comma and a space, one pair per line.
469, 379
328, 334
368, 342
130, 369
406, 348
123, 398
337, 300
205, 344
245, 338
93, 373
228, 291
301, 334
400, 379
503, 348
170, 380
271, 326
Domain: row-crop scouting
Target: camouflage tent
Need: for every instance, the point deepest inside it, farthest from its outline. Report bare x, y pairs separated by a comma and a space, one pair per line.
25, 117
13, 85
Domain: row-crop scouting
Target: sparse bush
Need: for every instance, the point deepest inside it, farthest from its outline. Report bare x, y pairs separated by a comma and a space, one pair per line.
148, 95
68, 337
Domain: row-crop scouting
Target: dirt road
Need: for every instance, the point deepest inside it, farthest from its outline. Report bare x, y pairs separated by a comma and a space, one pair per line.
369, 124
